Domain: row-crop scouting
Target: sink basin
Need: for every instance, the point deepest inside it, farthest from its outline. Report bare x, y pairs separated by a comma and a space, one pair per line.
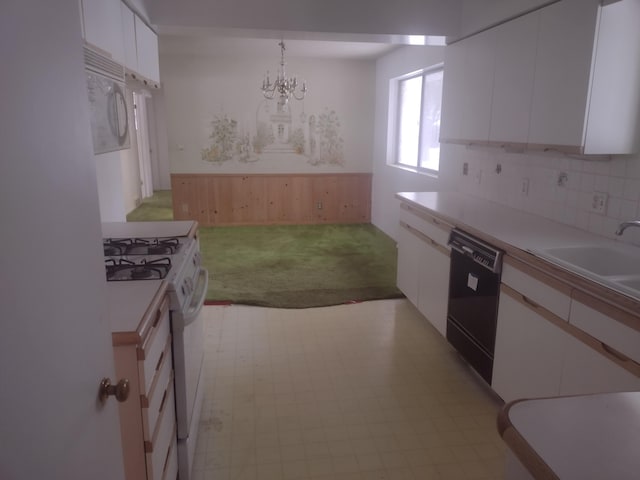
601, 261
633, 283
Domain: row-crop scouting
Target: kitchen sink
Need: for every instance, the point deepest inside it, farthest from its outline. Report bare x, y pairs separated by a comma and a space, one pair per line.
633, 283
601, 261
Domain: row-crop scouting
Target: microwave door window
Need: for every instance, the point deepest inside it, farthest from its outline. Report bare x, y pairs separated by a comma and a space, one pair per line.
109, 119
118, 121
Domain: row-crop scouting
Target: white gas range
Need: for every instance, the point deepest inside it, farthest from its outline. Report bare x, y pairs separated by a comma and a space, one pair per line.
141, 251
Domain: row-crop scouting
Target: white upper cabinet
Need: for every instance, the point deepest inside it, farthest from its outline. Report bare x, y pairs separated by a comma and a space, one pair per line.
468, 88
562, 72
453, 93
129, 38
147, 48
565, 77
513, 79
102, 26
614, 119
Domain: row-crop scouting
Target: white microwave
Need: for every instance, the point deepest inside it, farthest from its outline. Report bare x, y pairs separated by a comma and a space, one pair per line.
109, 118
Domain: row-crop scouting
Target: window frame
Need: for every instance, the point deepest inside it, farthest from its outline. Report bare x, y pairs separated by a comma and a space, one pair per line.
393, 149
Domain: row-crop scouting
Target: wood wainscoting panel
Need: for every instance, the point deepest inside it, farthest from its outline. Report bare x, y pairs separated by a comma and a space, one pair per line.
272, 199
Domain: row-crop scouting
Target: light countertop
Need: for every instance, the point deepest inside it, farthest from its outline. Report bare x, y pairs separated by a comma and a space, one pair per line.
505, 226
582, 437
182, 228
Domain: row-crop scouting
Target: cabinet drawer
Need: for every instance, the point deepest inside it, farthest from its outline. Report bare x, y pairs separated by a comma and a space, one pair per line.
171, 463
425, 224
608, 325
151, 352
529, 349
587, 370
152, 402
537, 287
163, 438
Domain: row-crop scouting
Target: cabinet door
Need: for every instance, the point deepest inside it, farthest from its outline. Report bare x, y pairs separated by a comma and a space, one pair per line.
468, 88
453, 91
409, 251
587, 371
614, 106
562, 71
147, 47
529, 350
102, 22
478, 86
513, 80
433, 289
129, 38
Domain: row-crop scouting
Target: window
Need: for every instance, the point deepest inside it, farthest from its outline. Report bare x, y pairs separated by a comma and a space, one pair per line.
418, 100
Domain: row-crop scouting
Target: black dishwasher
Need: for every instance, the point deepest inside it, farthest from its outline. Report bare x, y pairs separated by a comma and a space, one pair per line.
474, 287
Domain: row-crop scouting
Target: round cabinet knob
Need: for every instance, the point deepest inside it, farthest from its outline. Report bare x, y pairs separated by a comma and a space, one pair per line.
120, 390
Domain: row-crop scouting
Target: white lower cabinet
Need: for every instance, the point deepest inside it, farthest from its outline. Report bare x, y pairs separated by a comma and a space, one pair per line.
529, 350
585, 370
409, 247
540, 354
147, 418
423, 274
433, 286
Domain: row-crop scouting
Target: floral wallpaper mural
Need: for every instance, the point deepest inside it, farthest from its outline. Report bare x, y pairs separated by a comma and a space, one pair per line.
316, 139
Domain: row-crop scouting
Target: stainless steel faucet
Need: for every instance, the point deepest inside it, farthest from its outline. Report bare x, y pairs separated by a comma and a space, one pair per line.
623, 226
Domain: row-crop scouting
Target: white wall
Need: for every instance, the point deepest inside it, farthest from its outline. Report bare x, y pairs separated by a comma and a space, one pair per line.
52, 300
163, 179
569, 204
199, 88
387, 180
110, 187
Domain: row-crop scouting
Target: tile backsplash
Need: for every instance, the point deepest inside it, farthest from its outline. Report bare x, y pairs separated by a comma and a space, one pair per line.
554, 186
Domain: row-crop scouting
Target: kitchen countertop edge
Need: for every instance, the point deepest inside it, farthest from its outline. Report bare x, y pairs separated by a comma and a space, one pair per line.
451, 208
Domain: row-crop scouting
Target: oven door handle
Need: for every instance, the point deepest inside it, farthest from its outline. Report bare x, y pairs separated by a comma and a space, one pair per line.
198, 297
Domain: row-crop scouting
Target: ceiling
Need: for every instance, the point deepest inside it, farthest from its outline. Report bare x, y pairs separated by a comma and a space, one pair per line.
251, 43
345, 29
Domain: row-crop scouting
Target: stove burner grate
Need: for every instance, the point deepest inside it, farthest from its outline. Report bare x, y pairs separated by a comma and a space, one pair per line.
122, 269
140, 246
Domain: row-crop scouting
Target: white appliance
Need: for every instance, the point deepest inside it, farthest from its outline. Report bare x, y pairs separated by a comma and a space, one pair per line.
178, 261
187, 292
106, 89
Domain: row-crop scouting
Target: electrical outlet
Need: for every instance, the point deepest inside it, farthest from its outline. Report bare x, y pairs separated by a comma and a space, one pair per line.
599, 202
319, 205
524, 187
563, 179
185, 208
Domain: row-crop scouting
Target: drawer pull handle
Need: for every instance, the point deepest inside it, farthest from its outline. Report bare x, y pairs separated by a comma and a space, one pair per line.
157, 319
164, 398
159, 361
614, 353
530, 302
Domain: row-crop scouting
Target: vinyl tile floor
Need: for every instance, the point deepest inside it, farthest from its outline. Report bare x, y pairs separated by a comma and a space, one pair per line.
367, 391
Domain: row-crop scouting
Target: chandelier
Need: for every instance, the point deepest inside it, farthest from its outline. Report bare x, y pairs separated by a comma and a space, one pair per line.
283, 87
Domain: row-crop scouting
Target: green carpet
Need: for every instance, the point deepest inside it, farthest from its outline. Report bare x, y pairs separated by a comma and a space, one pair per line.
292, 266
153, 209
